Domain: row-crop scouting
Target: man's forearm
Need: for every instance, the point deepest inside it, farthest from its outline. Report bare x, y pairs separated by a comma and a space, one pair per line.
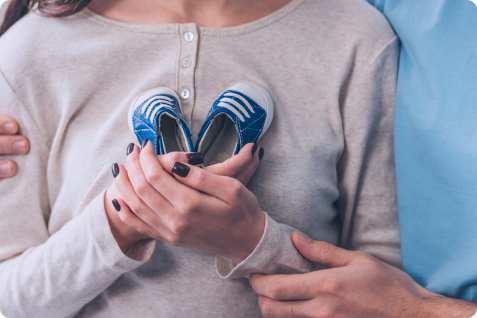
439, 306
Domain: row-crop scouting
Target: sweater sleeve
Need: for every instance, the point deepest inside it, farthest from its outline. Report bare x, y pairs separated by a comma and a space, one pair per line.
366, 171
366, 179
44, 274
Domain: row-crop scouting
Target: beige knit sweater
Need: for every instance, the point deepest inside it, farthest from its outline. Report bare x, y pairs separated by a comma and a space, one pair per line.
330, 67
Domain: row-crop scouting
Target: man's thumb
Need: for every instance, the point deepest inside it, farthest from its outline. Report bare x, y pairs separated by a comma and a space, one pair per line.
322, 253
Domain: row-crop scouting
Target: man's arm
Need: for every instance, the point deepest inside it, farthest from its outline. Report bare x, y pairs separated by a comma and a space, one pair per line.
355, 285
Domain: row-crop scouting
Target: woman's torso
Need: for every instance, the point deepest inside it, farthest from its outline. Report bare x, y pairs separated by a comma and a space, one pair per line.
302, 54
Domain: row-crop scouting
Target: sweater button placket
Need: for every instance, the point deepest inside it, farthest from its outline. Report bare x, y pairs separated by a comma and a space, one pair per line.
189, 37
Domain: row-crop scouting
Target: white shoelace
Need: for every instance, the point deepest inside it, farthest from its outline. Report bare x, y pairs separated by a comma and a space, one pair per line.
226, 102
151, 107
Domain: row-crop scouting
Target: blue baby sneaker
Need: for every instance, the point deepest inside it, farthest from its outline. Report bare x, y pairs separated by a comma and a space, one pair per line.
156, 114
242, 114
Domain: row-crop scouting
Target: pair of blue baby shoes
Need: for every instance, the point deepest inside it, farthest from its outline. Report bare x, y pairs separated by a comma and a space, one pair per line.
241, 115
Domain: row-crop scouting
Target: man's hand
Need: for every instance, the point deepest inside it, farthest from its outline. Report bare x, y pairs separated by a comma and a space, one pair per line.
10, 143
355, 285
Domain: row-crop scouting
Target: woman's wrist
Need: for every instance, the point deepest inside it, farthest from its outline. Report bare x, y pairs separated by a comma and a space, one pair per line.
253, 237
124, 235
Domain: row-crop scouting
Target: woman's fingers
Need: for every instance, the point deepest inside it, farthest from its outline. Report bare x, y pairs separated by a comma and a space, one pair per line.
14, 145
137, 205
223, 188
168, 160
241, 166
247, 173
8, 126
129, 218
174, 191
141, 185
235, 165
8, 168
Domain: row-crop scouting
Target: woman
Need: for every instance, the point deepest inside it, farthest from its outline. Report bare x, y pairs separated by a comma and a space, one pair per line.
328, 171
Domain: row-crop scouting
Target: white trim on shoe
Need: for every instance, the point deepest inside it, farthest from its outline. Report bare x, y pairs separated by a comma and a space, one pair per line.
142, 98
262, 98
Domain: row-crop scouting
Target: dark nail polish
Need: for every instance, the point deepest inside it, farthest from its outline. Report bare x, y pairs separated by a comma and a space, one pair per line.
144, 143
116, 205
130, 149
254, 148
180, 169
115, 169
195, 158
261, 153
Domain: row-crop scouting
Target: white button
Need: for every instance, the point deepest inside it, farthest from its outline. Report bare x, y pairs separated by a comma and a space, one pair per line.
185, 93
188, 36
186, 62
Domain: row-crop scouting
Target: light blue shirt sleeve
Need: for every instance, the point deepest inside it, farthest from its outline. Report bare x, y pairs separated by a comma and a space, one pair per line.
436, 141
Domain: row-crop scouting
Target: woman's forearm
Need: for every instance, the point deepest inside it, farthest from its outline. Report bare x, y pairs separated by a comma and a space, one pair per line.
68, 270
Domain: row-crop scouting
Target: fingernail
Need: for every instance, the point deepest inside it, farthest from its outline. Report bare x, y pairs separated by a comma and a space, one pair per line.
144, 143
180, 169
129, 149
254, 148
115, 169
5, 169
302, 237
261, 152
116, 205
8, 128
19, 146
195, 158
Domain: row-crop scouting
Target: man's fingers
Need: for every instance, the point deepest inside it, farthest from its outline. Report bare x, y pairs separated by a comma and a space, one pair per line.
8, 126
14, 145
283, 309
284, 287
324, 253
235, 165
8, 168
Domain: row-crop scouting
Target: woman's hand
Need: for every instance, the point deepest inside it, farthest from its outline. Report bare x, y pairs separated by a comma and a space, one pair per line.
194, 207
10, 143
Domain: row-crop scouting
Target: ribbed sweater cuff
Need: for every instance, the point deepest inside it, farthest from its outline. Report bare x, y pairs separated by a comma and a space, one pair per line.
137, 255
274, 254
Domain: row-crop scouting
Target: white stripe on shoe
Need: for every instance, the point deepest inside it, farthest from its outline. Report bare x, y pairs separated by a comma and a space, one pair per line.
242, 99
232, 109
236, 104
